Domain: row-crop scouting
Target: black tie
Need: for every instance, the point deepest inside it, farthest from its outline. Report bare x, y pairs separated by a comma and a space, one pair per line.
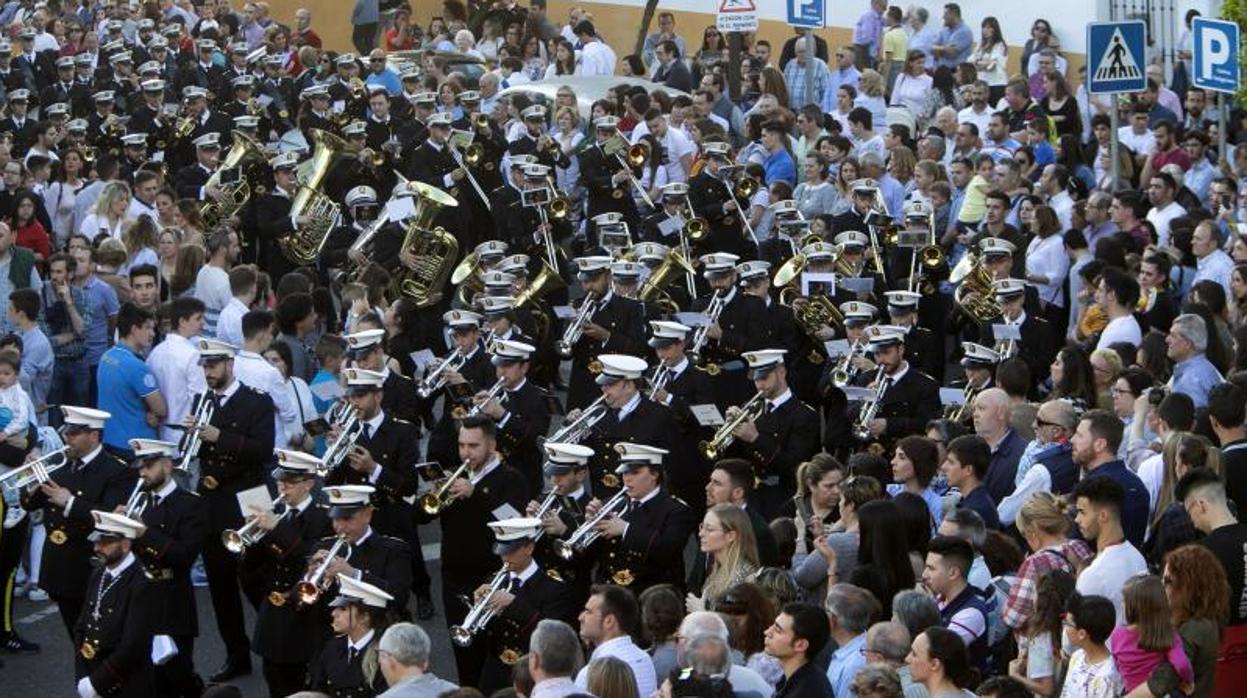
351, 654
513, 584
368, 432
633, 504
152, 500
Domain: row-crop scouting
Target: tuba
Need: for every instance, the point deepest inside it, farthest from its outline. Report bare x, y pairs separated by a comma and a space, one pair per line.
435, 249
235, 195
818, 309
666, 273
303, 246
972, 277
546, 282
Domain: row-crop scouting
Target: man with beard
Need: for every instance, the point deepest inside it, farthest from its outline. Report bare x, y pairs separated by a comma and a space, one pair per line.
1095, 443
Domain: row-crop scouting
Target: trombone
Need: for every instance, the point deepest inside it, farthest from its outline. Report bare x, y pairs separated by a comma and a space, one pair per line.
480, 613
634, 157
434, 502
572, 334
35, 472
749, 412
702, 334
587, 532
238, 540
310, 588
743, 187
474, 155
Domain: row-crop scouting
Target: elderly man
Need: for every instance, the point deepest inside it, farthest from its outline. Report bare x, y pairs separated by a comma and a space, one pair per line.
795, 76
991, 421
703, 644
1193, 373
554, 656
888, 643
403, 657
1047, 464
850, 610
1212, 264
666, 32
303, 34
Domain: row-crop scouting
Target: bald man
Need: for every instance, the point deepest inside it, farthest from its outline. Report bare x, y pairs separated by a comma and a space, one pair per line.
1048, 463
991, 421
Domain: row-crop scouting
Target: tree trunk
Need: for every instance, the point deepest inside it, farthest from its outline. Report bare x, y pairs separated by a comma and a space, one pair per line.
646, 18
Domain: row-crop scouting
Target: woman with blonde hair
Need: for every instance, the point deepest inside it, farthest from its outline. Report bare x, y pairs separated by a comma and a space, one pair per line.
611, 677
727, 538
1106, 368
870, 96
1170, 526
1043, 522
167, 245
108, 215
140, 243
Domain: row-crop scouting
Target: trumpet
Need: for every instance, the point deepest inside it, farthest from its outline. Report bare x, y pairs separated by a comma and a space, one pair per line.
576, 430
870, 408
137, 503
845, 370
547, 506
240, 539
480, 613
493, 394
959, 413
189, 444
35, 472
713, 310
435, 380
658, 380
311, 586
434, 502
573, 332
587, 532
723, 438
349, 430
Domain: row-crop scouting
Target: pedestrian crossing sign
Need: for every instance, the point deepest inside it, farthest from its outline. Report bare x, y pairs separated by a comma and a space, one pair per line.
1115, 57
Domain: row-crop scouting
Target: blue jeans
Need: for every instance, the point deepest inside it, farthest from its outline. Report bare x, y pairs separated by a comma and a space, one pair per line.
70, 379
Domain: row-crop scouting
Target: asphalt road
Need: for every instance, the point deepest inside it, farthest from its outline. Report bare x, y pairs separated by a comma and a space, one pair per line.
50, 672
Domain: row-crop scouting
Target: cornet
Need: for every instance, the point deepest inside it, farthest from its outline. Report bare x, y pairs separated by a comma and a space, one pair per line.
436, 379
493, 394
576, 430
239, 540
723, 438
312, 585
573, 332
137, 503
349, 430
35, 472
861, 428
189, 444
434, 502
480, 613
587, 532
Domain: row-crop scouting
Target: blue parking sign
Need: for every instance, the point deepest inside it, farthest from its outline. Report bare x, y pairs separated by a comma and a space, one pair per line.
1115, 57
805, 13
1215, 52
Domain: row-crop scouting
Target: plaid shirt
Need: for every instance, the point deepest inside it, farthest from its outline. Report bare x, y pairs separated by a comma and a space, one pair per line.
1020, 605
54, 320
794, 77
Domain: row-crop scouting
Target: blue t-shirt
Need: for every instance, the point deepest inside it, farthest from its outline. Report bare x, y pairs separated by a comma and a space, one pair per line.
779, 165
101, 304
124, 381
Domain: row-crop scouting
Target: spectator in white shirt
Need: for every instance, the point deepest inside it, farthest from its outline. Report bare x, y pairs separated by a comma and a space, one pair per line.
255, 371
596, 58
677, 148
212, 283
175, 364
1161, 190
1136, 135
1053, 183
607, 622
243, 286
554, 657
1117, 295
1046, 261
1212, 262
1098, 502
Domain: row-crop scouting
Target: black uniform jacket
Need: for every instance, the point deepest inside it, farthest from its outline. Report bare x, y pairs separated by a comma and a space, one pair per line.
285, 630
467, 541
395, 446
651, 551
787, 437
624, 318
648, 423
114, 650
907, 406
334, 672
236, 461
101, 483
383, 561
527, 419
176, 529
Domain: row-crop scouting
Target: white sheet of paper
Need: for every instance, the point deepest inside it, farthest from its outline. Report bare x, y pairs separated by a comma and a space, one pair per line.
858, 284
327, 390
1002, 331
338, 107
671, 225
821, 277
255, 498
400, 208
859, 394
564, 312
692, 319
506, 511
707, 415
422, 358
837, 347
163, 649
952, 396
263, 100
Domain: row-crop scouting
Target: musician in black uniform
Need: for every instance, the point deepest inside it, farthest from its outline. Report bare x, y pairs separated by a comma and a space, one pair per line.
366, 350
525, 595
909, 400
1038, 344
358, 169
923, 348
505, 201
134, 154
520, 408
204, 72
314, 112
206, 120
664, 224
191, 182
475, 373
738, 325
358, 620
237, 442
243, 104
434, 164
675, 293
279, 88
606, 179
712, 199
535, 141
60, 89
114, 635
415, 126
287, 634
266, 218
806, 353
482, 490
176, 524
979, 363
364, 555
24, 129
611, 324
92, 479
567, 467
679, 384
642, 542
626, 283
500, 317
627, 415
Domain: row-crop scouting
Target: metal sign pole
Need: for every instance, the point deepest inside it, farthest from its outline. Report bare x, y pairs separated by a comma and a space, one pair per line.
1113, 145
1221, 152
809, 66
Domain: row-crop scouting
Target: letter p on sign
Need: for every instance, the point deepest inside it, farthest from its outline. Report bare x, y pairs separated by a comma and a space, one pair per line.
1215, 46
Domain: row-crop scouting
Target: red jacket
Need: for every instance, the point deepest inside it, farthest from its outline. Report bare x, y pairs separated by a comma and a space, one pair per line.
33, 237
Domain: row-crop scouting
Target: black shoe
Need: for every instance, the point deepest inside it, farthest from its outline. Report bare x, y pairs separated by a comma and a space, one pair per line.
14, 644
229, 670
424, 606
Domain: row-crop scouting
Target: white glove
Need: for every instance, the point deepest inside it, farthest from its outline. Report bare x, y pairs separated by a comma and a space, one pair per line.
85, 689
